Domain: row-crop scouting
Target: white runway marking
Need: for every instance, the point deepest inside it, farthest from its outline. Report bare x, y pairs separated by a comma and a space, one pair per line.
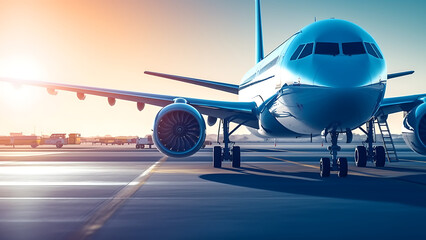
26, 154
106, 210
38, 183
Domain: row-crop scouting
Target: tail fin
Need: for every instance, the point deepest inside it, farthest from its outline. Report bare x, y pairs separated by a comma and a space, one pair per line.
259, 35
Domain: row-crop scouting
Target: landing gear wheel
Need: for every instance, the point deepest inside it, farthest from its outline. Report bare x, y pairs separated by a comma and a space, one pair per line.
342, 163
217, 157
236, 157
325, 167
379, 156
360, 156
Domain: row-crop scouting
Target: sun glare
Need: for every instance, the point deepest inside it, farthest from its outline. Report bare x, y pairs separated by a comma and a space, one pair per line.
19, 67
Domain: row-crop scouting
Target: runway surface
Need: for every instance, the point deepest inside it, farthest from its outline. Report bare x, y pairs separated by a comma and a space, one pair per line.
119, 192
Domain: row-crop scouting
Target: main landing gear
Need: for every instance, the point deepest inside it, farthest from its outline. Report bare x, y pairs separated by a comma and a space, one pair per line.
376, 154
226, 154
336, 164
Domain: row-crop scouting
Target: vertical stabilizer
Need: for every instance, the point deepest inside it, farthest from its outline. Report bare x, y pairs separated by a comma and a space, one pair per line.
259, 35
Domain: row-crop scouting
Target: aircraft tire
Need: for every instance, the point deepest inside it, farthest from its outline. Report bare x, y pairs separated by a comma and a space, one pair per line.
236, 157
360, 156
325, 167
379, 156
217, 157
343, 167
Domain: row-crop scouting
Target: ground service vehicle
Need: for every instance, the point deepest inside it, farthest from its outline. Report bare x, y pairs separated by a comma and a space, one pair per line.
57, 139
141, 142
33, 141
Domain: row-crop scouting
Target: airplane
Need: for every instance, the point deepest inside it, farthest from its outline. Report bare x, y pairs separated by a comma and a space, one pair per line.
327, 79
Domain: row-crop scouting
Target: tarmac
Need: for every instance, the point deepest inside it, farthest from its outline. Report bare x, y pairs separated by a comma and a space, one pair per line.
118, 192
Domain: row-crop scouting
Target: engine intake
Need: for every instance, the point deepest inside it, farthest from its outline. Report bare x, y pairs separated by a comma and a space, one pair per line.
179, 130
414, 129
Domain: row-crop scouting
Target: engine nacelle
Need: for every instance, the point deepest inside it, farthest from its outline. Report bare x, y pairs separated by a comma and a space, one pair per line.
414, 129
179, 130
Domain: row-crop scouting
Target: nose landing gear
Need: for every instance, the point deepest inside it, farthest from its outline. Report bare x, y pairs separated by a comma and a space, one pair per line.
337, 164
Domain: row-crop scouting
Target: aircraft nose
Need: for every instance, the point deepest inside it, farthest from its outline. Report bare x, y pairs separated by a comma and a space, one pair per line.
346, 107
354, 71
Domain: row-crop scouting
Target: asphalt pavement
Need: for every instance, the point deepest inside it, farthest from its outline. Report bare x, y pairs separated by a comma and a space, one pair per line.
118, 192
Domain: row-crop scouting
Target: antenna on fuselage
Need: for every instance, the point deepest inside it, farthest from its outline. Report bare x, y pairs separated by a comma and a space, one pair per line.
259, 35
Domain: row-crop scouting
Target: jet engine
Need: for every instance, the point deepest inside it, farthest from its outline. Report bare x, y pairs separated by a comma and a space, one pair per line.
414, 129
179, 130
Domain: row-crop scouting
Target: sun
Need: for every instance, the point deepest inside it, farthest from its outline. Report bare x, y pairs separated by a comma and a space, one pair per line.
19, 67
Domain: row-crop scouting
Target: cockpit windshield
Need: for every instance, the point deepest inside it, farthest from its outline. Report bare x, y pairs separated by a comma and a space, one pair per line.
353, 48
370, 50
327, 48
377, 50
307, 50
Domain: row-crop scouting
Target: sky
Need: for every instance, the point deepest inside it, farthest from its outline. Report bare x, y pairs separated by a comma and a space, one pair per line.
110, 43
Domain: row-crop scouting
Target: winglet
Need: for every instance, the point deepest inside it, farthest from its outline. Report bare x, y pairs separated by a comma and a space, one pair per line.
259, 35
400, 74
226, 87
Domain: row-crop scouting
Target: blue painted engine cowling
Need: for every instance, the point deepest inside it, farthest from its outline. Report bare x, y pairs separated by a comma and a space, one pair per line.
179, 130
414, 129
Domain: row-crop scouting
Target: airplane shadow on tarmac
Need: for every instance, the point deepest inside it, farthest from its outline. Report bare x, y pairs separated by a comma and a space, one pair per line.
408, 190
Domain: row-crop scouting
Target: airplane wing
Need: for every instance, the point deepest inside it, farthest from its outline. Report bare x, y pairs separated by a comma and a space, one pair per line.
398, 104
399, 74
239, 112
226, 87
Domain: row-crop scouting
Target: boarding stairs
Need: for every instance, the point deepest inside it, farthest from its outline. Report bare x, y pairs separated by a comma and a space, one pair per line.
388, 143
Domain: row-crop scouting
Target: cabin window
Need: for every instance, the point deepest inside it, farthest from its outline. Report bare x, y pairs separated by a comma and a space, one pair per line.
377, 50
353, 48
307, 50
370, 50
327, 48
297, 52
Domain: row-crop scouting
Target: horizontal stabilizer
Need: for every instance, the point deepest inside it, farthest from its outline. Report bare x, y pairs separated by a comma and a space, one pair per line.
400, 74
226, 87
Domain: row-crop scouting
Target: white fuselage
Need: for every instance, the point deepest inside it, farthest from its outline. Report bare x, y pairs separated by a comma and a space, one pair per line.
329, 76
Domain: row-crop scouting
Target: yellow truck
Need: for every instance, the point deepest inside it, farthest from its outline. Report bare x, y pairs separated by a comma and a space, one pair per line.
74, 138
33, 141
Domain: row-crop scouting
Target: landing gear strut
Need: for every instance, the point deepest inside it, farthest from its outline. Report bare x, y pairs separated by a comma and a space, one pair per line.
337, 164
375, 154
226, 154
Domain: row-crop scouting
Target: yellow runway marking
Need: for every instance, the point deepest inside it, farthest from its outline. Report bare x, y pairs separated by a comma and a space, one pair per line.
297, 163
284, 150
106, 210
